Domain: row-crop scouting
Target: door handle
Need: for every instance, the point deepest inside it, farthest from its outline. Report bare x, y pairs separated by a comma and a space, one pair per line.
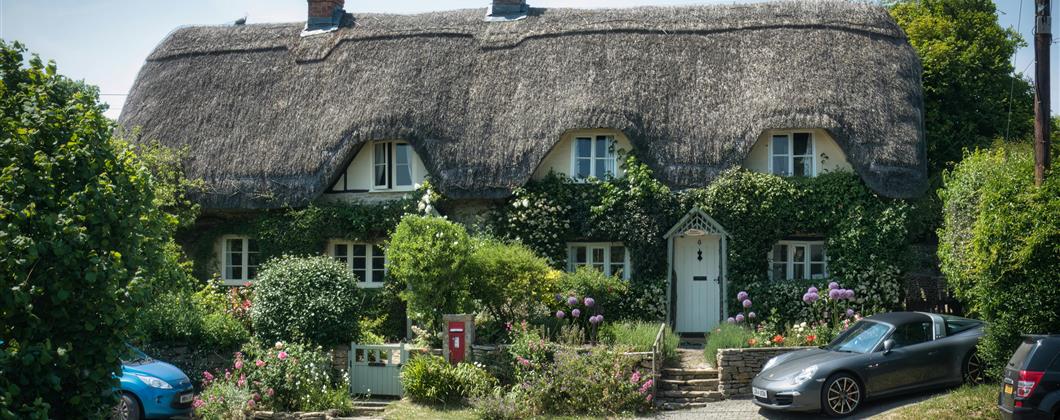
873, 365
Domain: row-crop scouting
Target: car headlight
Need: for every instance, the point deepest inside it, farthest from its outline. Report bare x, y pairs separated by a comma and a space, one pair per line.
153, 382
772, 362
803, 376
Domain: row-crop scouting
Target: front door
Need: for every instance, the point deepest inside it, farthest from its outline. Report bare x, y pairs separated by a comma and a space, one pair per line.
697, 270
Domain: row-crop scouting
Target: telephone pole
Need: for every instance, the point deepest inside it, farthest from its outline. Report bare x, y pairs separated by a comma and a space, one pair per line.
1043, 38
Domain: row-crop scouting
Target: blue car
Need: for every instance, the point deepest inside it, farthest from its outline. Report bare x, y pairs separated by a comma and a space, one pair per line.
152, 389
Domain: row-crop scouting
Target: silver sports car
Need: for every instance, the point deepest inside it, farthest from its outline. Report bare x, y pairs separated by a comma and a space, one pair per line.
881, 355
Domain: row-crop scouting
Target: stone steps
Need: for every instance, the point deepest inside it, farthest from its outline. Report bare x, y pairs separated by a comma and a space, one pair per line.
689, 385
689, 374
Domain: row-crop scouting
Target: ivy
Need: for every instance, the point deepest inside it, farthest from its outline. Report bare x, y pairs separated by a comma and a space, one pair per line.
866, 235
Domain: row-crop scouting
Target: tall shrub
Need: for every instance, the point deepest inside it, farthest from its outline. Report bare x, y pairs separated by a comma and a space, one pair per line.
306, 299
1000, 247
81, 238
428, 254
509, 280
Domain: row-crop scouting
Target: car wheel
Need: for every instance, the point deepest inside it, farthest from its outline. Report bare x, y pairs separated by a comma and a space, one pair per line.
128, 408
972, 370
841, 395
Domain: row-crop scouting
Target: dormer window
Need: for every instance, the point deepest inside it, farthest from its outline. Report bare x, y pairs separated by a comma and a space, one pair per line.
593, 156
792, 154
392, 167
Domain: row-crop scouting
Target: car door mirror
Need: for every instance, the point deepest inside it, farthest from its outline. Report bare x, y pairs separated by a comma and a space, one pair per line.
888, 344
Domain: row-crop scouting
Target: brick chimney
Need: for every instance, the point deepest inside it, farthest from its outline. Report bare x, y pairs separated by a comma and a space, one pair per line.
507, 10
324, 14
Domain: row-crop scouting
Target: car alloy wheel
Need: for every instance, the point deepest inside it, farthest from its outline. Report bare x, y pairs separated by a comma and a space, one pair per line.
973, 369
127, 409
842, 395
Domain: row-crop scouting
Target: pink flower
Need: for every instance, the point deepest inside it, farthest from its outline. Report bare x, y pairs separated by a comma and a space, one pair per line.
256, 396
647, 386
635, 379
198, 403
242, 381
250, 403
259, 363
282, 355
207, 376
270, 392
239, 364
647, 399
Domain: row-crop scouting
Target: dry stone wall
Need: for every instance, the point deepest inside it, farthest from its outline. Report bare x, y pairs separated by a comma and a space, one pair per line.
737, 367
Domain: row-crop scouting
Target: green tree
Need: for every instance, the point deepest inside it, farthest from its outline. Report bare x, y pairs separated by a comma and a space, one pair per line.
999, 246
968, 77
428, 255
81, 238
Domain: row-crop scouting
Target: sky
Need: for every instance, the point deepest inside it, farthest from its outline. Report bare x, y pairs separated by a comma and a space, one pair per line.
104, 42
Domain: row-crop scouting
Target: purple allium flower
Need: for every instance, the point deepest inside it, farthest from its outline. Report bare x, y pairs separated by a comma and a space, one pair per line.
751, 315
747, 303
741, 296
576, 313
589, 302
560, 314
594, 320
559, 297
812, 289
600, 318
835, 294
848, 294
731, 320
572, 301
739, 318
850, 313
833, 285
810, 297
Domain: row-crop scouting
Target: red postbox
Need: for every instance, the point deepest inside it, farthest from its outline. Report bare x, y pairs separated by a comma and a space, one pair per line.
457, 342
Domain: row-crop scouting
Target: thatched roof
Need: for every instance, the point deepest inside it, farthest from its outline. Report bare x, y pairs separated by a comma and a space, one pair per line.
272, 119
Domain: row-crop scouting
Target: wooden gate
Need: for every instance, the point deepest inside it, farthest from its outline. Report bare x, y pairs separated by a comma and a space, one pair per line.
376, 368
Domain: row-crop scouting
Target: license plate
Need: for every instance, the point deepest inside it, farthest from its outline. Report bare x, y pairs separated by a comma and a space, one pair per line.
760, 393
1008, 389
186, 398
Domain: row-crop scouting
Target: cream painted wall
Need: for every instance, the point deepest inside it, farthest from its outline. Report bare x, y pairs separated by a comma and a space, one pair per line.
359, 173
559, 158
833, 158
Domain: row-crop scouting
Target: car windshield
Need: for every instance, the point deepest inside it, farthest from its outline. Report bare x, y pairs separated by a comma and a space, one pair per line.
862, 337
133, 356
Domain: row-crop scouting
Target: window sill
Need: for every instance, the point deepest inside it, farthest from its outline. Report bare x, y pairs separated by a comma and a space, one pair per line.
373, 285
237, 283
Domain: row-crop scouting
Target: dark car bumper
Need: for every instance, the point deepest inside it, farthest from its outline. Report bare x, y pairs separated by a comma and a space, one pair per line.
1023, 413
784, 397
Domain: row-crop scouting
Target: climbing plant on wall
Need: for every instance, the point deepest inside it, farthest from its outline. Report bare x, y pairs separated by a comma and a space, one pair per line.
866, 234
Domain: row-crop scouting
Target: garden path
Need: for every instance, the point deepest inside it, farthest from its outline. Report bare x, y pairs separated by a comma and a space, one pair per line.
744, 409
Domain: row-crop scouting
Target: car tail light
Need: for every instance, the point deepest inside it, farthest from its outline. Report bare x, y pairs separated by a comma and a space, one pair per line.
1028, 380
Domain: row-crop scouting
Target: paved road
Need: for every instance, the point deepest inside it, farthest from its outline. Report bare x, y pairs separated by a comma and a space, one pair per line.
744, 409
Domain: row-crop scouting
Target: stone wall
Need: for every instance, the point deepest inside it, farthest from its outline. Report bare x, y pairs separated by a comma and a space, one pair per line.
737, 367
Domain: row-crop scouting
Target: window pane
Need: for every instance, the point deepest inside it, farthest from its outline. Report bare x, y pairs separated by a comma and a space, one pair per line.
780, 165
780, 145
584, 147
601, 170
780, 253
378, 275
817, 271
360, 274
602, 144
801, 143
802, 166
598, 256
252, 245
252, 272
799, 254
618, 255
380, 165
817, 252
339, 251
359, 250
798, 271
579, 255
235, 245
583, 168
403, 175
780, 271
235, 273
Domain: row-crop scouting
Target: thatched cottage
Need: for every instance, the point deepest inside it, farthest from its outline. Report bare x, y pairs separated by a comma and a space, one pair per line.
362, 107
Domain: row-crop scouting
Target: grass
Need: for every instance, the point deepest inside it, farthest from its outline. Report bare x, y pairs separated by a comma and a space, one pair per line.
405, 409
726, 336
966, 402
639, 336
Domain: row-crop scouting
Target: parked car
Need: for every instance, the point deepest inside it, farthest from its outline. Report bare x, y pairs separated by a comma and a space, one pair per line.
879, 356
151, 388
1031, 385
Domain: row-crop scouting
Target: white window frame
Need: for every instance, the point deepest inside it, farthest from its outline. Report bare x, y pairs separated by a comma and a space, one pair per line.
368, 281
807, 262
244, 260
391, 165
611, 158
572, 264
790, 135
